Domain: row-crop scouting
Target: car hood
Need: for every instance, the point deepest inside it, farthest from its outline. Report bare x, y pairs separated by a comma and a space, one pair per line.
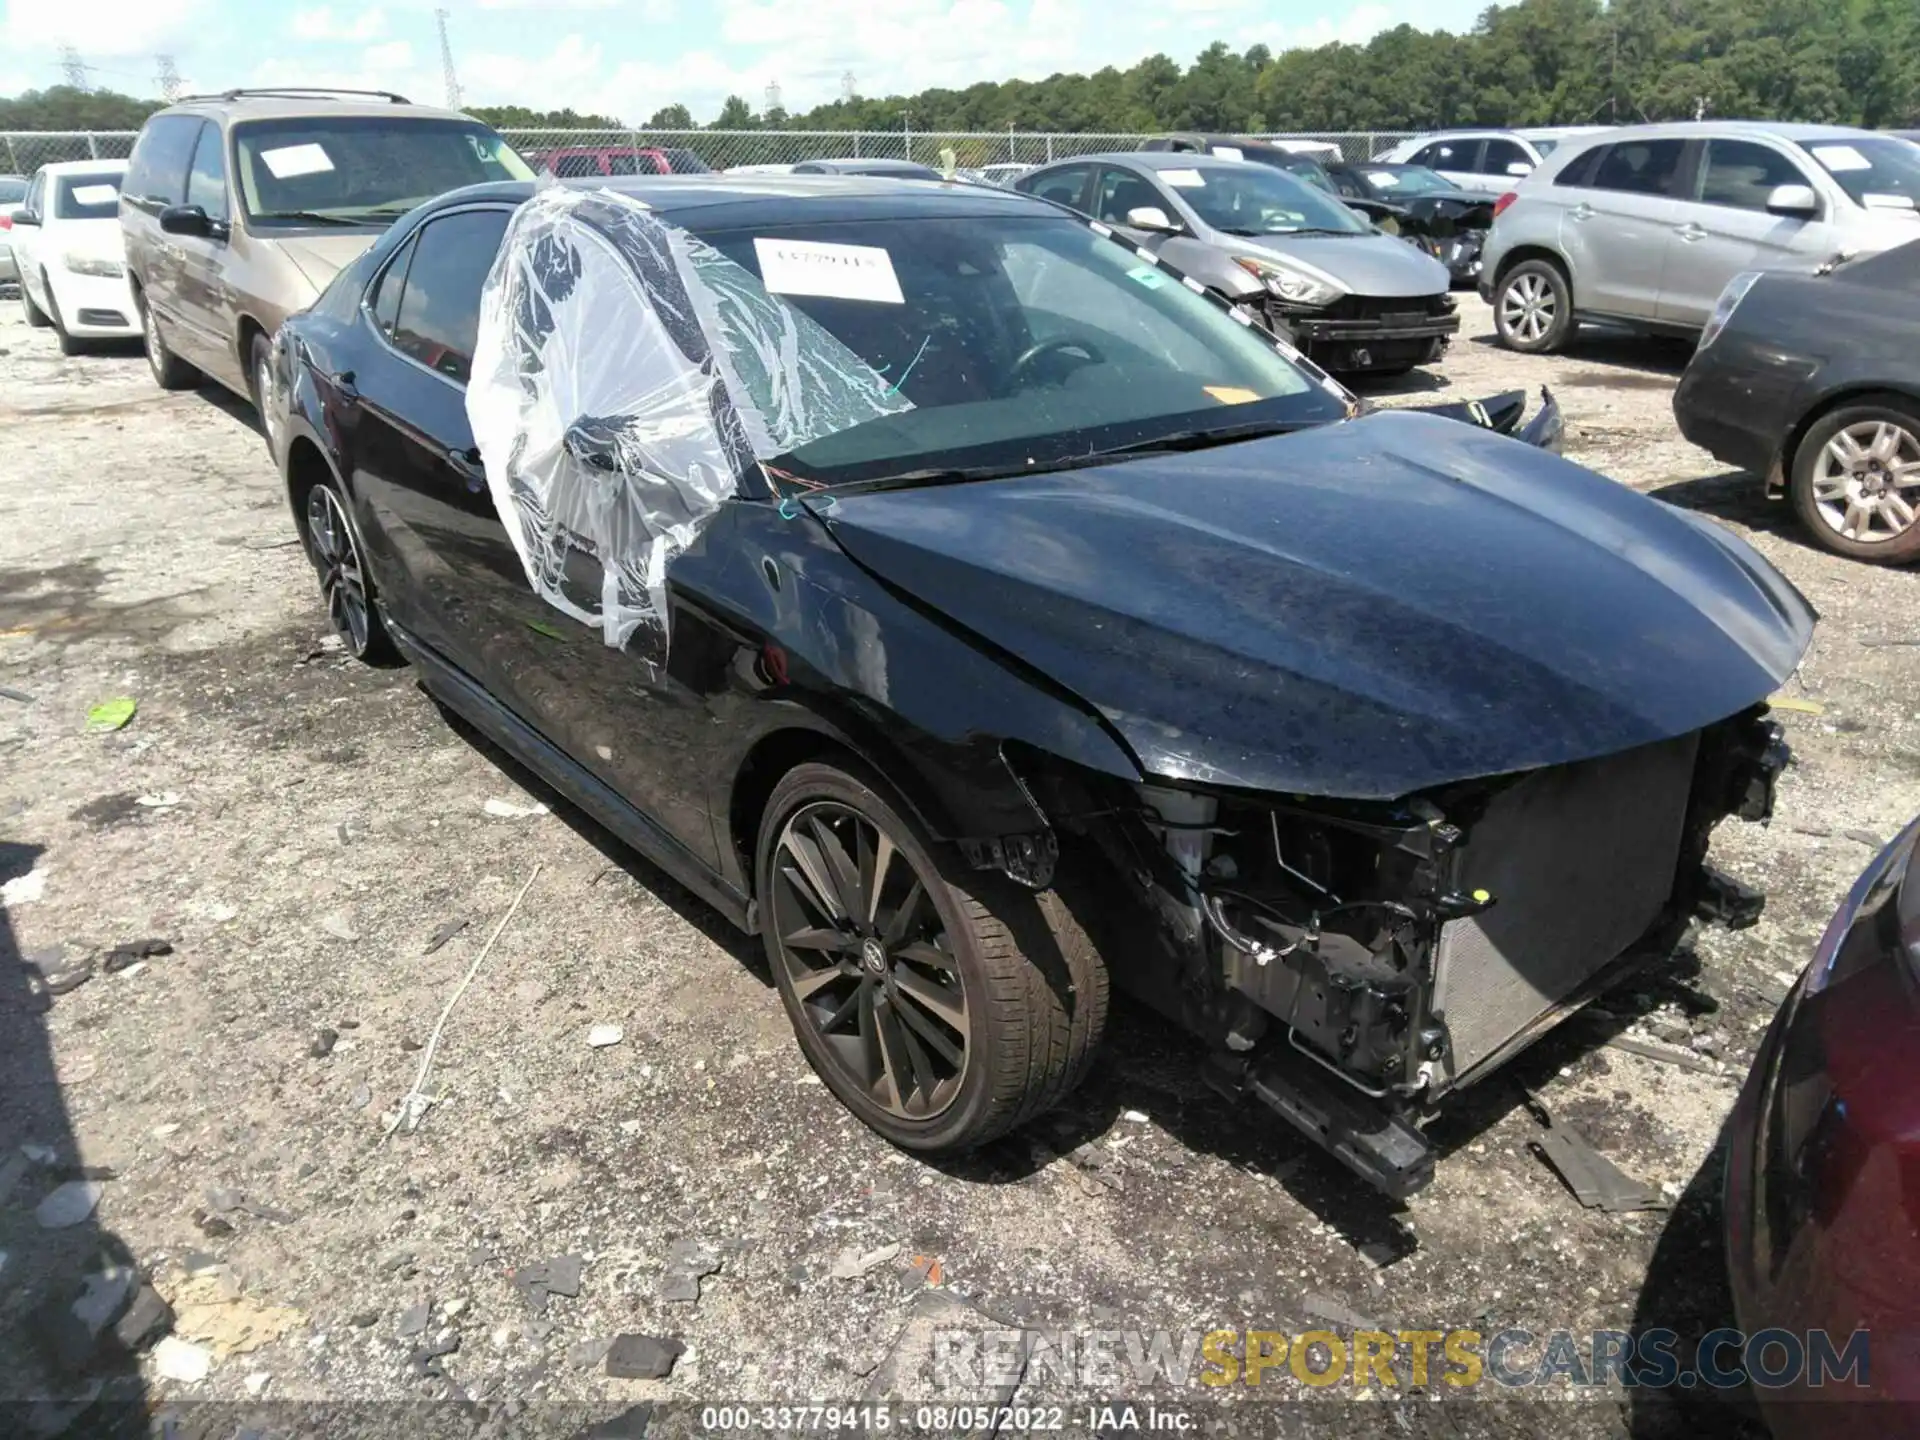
1371, 264
1364, 609
320, 257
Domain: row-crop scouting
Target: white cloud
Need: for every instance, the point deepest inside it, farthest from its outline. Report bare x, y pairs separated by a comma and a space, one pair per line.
549, 4
108, 29
322, 24
394, 55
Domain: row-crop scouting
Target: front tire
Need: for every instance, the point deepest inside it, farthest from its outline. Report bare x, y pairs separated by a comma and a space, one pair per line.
1856, 480
170, 372
36, 317
942, 1006
1533, 308
344, 583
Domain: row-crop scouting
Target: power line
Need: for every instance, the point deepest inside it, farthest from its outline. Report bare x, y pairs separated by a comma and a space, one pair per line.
446, 62
169, 78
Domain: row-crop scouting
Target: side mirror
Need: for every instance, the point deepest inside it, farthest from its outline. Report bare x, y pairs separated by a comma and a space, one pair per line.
26, 217
186, 220
1519, 167
1151, 217
1797, 200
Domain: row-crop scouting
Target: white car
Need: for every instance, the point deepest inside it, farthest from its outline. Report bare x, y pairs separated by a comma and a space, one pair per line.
1491, 160
72, 260
13, 191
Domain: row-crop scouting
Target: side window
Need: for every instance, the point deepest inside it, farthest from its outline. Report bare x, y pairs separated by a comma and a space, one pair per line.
1641, 167
384, 302
572, 167
440, 307
207, 180
1120, 191
625, 162
1742, 174
1501, 155
157, 171
1347, 187
1063, 187
1579, 171
1447, 155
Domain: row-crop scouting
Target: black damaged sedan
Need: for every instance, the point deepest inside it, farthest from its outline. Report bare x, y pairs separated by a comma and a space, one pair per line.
958, 598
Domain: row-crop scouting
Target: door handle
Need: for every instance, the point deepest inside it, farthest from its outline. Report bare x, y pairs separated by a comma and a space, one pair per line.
1583, 211
343, 385
468, 466
1690, 232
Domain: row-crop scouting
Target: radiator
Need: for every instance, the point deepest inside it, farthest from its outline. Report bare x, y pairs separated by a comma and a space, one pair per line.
1580, 859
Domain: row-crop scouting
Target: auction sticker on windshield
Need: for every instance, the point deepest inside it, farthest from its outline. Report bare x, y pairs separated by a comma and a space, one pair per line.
291, 160
1229, 152
1184, 179
838, 272
1841, 157
95, 194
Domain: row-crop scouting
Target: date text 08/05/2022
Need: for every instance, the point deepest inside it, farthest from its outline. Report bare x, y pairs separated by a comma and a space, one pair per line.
945, 1419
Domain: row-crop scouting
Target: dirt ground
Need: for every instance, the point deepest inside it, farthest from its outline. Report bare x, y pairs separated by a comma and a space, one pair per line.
298, 828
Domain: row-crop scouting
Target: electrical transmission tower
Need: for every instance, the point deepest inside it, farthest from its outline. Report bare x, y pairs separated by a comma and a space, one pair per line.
74, 67
446, 62
169, 78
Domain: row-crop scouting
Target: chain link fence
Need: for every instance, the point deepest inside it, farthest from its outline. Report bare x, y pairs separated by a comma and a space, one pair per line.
23, 152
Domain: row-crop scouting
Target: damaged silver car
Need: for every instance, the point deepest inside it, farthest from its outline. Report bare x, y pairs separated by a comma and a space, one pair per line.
970, 605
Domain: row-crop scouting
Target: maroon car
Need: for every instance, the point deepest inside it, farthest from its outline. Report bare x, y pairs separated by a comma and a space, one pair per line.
1823, 1167
575, 161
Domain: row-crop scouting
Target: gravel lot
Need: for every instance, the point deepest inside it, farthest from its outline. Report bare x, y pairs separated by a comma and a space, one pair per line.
298, 827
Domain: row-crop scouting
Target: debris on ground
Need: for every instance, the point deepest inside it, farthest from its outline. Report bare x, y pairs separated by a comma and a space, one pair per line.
324, 1040
1596, 1182
339, 924
588, 1353
507, 810
68, 1204
445, 933
928, 1268
257, 1383
413, 1320
7, 692
1665, 1056
688, 1262
110, 715
642, 1357
175, 1359
124, 956
601, 1036
1325, 1307
211, 1308
851, 1264
166, 800
544, 1278
424, 1362
908, 1369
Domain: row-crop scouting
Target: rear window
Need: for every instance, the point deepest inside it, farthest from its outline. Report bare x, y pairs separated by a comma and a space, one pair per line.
685, 162
86, 197
12, 191
157, 173
356, 170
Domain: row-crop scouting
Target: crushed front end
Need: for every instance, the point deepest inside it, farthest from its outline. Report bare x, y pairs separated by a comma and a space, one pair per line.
1351, 964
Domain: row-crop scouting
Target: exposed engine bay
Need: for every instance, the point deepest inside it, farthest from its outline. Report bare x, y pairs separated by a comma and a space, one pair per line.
1353, 963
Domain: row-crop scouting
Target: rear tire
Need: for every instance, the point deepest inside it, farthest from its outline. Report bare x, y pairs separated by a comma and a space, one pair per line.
987, 998
1856, 480
1533, 308
170, 372
260, 375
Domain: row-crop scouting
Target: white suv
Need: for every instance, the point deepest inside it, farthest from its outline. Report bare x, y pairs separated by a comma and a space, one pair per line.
1491, 160
1645, 226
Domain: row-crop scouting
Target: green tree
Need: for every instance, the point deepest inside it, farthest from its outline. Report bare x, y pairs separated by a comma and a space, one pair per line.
671, 117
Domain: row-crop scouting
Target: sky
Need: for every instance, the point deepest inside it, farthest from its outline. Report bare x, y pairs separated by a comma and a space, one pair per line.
627, 58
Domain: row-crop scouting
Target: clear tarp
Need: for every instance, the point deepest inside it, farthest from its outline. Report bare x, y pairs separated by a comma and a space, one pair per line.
627, 377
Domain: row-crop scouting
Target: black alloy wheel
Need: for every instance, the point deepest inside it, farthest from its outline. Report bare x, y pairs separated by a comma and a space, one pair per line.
942, 1005
868, 960
343, 579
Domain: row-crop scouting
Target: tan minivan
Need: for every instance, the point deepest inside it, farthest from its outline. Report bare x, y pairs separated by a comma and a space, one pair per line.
239, 208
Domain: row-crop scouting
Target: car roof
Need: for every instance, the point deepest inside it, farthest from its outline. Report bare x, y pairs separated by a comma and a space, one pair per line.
1708, 129
1156, 160
875, 162
746, 200
243, 105
81, 167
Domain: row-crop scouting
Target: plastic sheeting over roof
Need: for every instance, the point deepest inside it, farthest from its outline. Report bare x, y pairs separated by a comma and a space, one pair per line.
627, 377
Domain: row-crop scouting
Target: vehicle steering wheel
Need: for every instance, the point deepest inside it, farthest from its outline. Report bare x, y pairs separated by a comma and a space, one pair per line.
1058, 345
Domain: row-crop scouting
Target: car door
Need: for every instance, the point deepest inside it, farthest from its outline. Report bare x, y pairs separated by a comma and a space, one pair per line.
1726, 227
156, 179
1504, 164
1457, 159
1616, 233
29, 239
1066, 185
462, 588
203, 298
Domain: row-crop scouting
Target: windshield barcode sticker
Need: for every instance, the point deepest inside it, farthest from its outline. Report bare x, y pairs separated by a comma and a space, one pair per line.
838, 272
1184, 179
291, 160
